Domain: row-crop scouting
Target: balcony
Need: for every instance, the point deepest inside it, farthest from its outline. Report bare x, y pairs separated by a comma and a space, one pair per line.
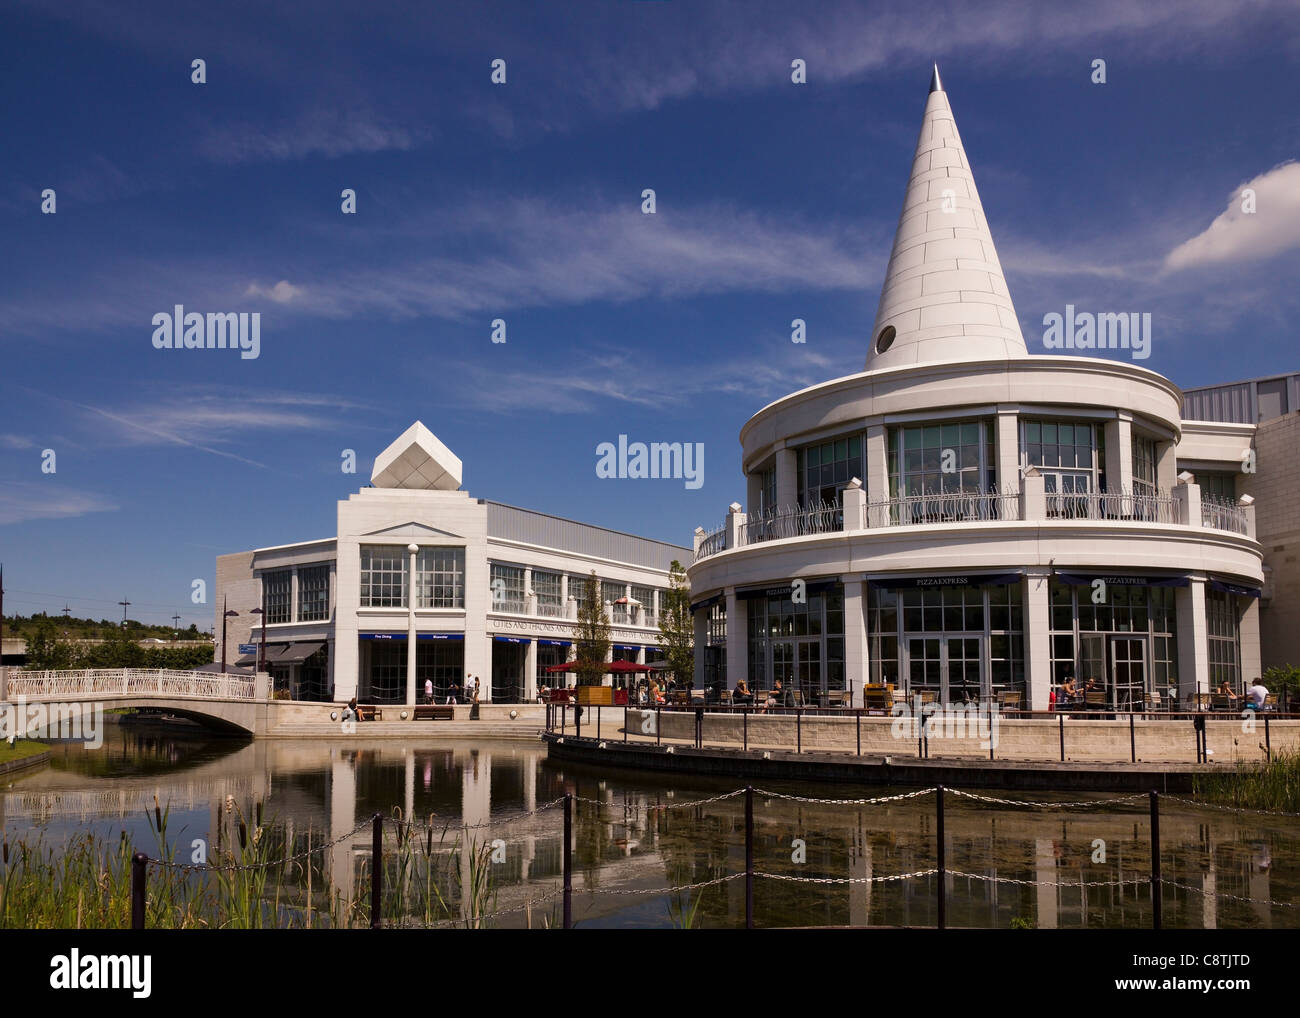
1184, 506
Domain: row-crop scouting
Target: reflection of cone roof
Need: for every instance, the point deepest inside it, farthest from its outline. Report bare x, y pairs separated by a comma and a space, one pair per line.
944, 293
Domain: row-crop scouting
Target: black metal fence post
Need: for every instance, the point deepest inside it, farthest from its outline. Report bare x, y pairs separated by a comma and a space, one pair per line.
376, 869
1155, 861
139, 870
745, 724
749, 857
1061, 719
798, 730
1268, 743
943, 894
658, 724
564, 713
859, 722
1132, 740
991, 739
625, 722
568, 860
598, 722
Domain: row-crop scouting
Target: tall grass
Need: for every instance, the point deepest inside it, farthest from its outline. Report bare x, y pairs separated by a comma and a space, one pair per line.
250, 875
1274, 785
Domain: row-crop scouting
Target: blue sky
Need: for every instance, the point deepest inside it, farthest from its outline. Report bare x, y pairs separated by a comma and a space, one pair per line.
522, 202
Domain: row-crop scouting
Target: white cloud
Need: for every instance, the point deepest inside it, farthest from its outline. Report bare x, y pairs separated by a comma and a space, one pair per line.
1240, 236
324, 131
16, 442
282, 292
21, 501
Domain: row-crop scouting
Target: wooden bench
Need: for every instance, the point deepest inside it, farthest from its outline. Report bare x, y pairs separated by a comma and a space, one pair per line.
434, 712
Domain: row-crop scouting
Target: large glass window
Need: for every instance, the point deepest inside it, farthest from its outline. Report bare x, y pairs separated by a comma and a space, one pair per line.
313, 593
1220, 486
1223, 625
715, 654
275, 594
825, 469
507, 590
646, 613
1144, 466
547, 587
383, 576
802, 644
440, 660
767, 490
938, 458
1071, 457
610, 592
440, 578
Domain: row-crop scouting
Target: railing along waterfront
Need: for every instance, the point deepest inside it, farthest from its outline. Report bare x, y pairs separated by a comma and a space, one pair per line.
943, 507
36, 685
1223, 514
792, 521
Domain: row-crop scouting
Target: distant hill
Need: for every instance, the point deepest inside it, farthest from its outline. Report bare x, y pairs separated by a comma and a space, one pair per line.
24, 627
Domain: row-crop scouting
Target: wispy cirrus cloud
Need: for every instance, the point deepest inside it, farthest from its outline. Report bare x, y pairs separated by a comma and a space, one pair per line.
320, 132
22, 501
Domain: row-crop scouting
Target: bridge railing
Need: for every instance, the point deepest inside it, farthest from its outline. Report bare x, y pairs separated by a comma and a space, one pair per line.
54, 685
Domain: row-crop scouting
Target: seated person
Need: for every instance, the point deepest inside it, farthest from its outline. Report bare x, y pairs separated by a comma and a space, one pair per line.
775, 696
1069, 691
1226, 690
742, 695
352, 712
1256, 695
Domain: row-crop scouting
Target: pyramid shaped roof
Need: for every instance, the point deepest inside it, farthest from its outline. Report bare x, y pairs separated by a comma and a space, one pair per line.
417, 460
944, 295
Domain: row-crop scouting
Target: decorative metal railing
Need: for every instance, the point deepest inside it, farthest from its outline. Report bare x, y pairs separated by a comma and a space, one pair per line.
712, 543
89, 682
1223, 514
1144, 506
792, 521
943, 507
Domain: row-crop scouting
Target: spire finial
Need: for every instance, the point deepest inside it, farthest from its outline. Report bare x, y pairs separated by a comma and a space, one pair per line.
935, 84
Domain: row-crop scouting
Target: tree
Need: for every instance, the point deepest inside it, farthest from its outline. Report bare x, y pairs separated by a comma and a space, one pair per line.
677, 626
593, 635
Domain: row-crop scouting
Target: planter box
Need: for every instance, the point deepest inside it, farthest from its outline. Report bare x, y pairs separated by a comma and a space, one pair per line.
596, 696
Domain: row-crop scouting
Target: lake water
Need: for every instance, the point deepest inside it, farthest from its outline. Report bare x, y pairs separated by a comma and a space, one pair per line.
640, 834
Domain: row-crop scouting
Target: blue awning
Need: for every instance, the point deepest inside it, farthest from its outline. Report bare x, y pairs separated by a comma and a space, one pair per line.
945, 580
418, 636
512, 639
554, 643
1120, 580
1224, 587
708, 602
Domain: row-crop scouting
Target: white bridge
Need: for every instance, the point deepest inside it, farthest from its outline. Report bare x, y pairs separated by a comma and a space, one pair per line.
225, 702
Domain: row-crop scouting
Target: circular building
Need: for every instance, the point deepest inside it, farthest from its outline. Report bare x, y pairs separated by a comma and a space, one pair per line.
963, 521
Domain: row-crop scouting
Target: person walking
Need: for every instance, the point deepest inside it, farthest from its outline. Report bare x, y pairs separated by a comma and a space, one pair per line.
428, 691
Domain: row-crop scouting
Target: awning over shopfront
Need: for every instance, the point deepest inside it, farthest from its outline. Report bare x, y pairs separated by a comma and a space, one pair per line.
1120, 580
297, 653
555, 643
708, 602
512, 639
784, 589
944, 580
271, 655
1224, 587
418, 636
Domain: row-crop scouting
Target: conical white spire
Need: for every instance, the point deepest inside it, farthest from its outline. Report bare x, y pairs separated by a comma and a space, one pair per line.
944, 295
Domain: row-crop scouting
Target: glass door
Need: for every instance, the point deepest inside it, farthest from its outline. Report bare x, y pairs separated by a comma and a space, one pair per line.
810, 671
783, 667
1092, 666
963, 672
1128, 656
924, 668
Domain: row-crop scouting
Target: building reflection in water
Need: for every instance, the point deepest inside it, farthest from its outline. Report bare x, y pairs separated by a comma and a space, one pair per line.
644, 836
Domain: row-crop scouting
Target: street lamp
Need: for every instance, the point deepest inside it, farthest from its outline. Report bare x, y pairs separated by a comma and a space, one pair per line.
225, 614
261, 652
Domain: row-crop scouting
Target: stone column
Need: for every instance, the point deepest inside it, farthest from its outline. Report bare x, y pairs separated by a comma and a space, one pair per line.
855, 505
1187, 503
530, 671
787, 480
1008, 449
877, 468
1038, 648
1033, 496
1193, 639
530, 596
737, 640
1251, 665
1166, 465
410, 628
1119, 453
857, 651
701, 619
